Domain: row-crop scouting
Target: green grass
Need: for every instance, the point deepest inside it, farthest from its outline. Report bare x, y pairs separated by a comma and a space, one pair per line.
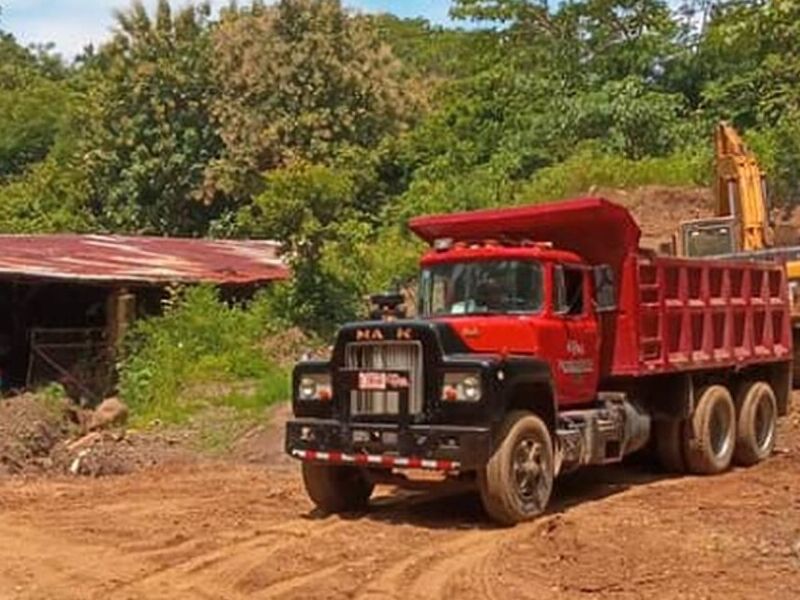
201, 353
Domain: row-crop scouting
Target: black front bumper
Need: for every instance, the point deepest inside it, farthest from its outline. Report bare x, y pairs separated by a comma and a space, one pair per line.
467, 446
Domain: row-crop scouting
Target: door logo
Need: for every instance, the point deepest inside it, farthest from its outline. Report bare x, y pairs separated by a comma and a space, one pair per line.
575, 348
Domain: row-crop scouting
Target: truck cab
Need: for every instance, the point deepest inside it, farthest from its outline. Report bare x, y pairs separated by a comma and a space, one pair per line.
527, 300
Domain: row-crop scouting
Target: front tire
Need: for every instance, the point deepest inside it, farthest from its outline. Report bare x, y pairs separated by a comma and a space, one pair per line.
710, 435
517, 481
756, 424
335, 488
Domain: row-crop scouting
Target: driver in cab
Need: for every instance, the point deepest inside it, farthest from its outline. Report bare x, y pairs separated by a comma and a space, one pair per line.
489, 297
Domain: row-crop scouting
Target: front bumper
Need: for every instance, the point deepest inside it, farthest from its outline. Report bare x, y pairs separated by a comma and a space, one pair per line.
387, 445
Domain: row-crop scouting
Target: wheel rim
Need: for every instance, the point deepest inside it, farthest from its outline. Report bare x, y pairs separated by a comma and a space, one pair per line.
720, 429
529, 468
764, 423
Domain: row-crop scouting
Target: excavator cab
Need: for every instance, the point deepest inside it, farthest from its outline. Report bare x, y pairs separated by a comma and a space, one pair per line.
743, 222
708, 237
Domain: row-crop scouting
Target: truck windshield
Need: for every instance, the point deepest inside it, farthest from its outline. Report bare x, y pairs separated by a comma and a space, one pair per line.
490, 286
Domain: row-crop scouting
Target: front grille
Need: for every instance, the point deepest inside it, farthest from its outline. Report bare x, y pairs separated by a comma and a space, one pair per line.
402, 356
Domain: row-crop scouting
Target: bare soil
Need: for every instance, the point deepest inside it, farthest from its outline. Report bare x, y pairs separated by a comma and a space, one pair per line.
660, 209
232, 530
30, 428
40, 436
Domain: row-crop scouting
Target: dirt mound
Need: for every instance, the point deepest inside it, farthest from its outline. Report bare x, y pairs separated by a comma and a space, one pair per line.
659, 209
30, 429
98, 454
43, 435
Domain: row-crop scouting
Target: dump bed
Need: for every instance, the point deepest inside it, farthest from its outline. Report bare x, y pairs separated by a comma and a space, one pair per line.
685, 314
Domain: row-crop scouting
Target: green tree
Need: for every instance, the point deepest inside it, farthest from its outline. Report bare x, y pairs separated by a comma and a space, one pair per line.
433, 52
33, 95
149, 130
751, 53
584, 40
49, 198
299, 80
310, 209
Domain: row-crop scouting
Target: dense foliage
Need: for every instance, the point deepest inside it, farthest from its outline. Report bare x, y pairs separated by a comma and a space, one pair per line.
326, 129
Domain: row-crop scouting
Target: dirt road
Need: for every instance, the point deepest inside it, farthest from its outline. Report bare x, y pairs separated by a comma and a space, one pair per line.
228, 531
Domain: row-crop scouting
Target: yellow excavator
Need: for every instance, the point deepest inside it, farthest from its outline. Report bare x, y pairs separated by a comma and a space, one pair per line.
742, 227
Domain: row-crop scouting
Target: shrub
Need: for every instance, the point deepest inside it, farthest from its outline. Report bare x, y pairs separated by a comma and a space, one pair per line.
200, 352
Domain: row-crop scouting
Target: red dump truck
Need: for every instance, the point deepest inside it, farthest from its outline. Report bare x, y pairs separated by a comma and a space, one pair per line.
546, 340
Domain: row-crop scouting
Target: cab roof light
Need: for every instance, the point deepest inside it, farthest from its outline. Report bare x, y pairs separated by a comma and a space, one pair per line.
445, 244
442, 244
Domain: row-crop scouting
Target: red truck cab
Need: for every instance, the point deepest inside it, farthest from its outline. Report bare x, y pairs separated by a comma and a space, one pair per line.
523, 299
546, 340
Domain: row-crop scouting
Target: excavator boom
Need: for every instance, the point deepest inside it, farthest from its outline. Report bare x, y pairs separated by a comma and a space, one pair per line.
740, 189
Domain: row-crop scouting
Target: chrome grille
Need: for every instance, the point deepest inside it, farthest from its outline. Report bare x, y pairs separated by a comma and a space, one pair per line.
403, 356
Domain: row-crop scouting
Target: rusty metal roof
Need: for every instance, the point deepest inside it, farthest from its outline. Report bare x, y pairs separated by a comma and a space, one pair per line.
139, 260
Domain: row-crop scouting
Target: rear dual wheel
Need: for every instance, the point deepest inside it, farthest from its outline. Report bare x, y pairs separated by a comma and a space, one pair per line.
717, 434
709, 437
756, 424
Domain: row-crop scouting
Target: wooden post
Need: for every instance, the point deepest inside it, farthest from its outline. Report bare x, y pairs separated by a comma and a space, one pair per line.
120, 313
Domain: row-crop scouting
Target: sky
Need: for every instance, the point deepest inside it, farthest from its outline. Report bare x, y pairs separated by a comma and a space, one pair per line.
72, 24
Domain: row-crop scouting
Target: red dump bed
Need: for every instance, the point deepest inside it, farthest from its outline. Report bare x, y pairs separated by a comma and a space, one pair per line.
673, 314
681, 314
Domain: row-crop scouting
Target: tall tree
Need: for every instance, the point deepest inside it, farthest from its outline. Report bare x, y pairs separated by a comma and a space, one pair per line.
752, 56
595, 39
149, 130
310, 208
299, 80
33, 94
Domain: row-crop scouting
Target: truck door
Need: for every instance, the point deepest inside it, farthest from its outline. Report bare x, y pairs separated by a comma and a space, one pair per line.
577, 360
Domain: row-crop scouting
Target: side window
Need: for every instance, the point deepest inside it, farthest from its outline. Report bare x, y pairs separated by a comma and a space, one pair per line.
605, 289
568, 283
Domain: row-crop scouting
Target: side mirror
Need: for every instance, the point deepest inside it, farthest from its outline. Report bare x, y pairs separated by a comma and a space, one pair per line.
605, 289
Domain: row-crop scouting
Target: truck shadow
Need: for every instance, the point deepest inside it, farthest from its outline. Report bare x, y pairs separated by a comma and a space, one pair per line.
460, 509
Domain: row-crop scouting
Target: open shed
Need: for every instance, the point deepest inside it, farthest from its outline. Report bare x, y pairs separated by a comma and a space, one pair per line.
66, 300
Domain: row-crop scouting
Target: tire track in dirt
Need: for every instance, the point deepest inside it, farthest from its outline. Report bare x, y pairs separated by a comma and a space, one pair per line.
429, 575
222, 567
41, 561
292, 584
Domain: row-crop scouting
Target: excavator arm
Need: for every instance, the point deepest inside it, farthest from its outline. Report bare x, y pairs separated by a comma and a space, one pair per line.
740, 189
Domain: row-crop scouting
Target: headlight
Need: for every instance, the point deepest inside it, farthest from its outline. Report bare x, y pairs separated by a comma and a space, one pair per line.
461, 387
316, 386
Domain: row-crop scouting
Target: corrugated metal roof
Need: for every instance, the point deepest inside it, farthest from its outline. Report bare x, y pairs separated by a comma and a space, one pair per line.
145, 260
